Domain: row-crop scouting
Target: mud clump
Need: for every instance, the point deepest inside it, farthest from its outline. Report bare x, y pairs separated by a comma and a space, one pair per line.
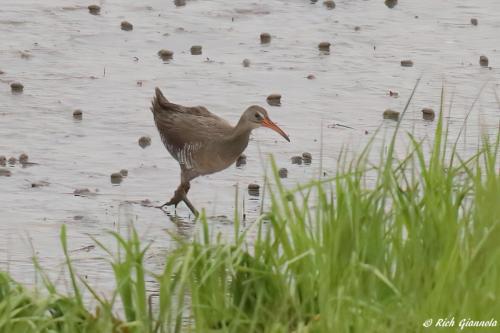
116, 178
5, 173
165, 54
126, 26
81, 192
307, 158
283, 173
297, 160
196, 49
16, 87
428, 114
3, 160
357, 28
124, 172
94, 9
144, 141
253, 189
483, 61
407, 63
180, 3
391, 114
274, 99
78, 114
242, 160
311, 77
329, 4
474, 21
41, 183
324, 46
246, 62
23, 158
265, 38
391, 3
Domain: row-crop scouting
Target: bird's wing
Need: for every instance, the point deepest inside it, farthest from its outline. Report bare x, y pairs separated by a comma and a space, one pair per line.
185, 130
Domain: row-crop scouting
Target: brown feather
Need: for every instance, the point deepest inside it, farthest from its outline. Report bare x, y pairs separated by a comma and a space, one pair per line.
190, 134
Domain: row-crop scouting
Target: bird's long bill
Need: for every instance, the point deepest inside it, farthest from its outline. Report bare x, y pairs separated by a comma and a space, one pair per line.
269, 124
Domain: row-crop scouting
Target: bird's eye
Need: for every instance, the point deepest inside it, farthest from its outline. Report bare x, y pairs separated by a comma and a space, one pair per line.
257, 116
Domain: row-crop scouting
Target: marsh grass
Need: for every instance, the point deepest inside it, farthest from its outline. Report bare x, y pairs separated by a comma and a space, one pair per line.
419, 240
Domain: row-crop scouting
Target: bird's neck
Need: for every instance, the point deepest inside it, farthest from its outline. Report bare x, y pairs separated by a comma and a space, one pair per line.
238, 140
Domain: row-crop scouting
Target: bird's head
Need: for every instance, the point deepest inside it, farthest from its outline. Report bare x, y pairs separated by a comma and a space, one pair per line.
257, 116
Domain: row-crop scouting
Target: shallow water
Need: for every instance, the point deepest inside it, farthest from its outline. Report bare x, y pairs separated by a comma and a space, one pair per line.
74, 60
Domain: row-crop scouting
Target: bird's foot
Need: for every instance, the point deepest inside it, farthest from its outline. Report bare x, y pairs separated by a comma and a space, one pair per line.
179, 195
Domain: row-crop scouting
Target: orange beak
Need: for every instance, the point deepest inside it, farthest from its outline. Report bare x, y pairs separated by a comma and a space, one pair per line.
269, 124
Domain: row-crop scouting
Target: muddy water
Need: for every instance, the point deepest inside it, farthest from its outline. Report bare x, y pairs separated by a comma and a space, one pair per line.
68, 59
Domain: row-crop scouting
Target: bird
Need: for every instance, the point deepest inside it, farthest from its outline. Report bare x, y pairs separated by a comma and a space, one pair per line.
202, 142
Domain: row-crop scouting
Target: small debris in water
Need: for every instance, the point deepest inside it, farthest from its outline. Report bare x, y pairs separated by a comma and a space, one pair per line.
3, 160
180, 3
324, 46
274, 99
5, 173
391, 114
165, 54
297, 160
391, 3
126, 26
16, 87
146, 203
311, 77
246, 62
12, 161
25, 54
357, 28
406, 63
394, 94
116, 178
196, 49
144, 141
283, 173
330, 4
253, 189
139, 83
23, 158
483, 61
307, 157
78, 114
124, 172
82, 192
94, 9
428, 114
41, 183
2, 72
87, 248
474, 21
242, 160
265, 38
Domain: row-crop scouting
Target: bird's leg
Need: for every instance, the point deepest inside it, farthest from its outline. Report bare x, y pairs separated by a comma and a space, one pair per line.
188, 203
190, 206
181, 195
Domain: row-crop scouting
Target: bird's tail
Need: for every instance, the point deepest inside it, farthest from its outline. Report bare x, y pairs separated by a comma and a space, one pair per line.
158, 101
